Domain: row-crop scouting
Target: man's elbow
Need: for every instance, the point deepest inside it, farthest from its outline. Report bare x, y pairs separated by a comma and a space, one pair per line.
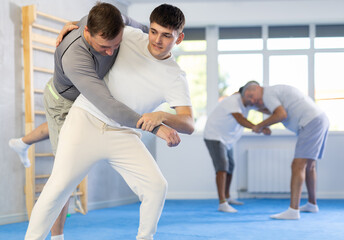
190, 126
191, 129
283, 116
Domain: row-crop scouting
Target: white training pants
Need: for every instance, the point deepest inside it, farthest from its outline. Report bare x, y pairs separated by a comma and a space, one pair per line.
85, 140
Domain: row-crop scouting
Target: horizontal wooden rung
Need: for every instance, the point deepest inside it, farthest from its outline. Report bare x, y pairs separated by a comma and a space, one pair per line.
73, 194
44, 155
39, 187
80, 211
43, 49
42, 176
77, 193
38, 91
45, 70
43, 39
51, 17
39, 112
45, 28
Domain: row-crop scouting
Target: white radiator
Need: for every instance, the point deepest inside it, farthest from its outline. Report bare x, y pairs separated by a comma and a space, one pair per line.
269, 170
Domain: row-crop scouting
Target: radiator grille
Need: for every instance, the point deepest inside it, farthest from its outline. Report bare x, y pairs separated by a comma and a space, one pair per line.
269, 170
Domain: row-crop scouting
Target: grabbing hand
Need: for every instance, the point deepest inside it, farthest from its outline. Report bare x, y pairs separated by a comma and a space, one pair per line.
266, 131
169, 135
149, 121
256, 129
69, 26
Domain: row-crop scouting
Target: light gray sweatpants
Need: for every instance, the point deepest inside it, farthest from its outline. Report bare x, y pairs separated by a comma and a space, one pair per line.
84, 140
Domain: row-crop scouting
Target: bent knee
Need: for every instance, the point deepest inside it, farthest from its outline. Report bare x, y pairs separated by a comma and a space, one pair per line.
160, 185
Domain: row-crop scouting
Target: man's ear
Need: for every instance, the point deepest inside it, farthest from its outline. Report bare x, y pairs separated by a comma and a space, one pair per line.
180, 38
86, 29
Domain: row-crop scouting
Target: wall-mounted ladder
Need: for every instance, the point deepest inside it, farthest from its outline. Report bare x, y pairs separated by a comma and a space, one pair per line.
33, 41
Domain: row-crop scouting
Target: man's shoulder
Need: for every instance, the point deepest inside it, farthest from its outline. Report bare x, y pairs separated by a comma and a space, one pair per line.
234, 98
72, 41
131, 33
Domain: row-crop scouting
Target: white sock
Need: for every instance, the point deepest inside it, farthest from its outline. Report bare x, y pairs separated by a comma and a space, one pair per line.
290, 214
57, 237
21, 149
234, 201
225, 207
309, 207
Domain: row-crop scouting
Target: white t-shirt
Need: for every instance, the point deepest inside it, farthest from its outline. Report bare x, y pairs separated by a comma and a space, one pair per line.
300, 108
141, 81
221, 125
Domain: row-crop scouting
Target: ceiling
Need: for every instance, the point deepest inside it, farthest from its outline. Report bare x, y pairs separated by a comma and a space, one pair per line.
128, 2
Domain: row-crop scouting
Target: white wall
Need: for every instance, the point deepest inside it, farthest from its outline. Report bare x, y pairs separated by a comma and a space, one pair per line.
190, 174
106, 187
187, 168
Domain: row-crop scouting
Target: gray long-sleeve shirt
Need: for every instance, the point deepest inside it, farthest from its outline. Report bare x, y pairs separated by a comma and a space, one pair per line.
80, 69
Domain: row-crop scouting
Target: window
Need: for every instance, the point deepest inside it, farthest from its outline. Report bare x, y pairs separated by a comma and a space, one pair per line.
235, 70
191, 57
288, 37
239, 61
240, 39
290, 70
308, 57
329, 36
329, 87
329, 73
329, 42
195, 68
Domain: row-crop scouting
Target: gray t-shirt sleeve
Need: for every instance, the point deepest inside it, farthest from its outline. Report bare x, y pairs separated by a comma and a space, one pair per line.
79, 67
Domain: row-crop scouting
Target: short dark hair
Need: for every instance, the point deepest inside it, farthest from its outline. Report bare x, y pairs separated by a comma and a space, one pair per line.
241, 89
106, 20
168, 16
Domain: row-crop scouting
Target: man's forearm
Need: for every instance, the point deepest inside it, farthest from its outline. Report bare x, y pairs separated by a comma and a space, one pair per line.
278, 115
270, 121
182, 123
242, 120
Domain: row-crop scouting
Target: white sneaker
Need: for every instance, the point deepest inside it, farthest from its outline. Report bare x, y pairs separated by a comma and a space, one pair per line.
21, 149
234, 202
225, 207
290, 214
309, 207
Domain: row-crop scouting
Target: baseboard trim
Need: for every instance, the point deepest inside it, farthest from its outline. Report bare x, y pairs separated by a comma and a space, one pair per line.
13, 218
183, 195
112, 203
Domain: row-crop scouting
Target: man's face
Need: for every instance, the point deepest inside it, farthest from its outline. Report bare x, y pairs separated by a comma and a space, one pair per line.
103, 46
252, 97
162, 40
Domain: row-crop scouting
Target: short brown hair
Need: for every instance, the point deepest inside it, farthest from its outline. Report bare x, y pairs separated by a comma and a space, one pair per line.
168, 16
106, 20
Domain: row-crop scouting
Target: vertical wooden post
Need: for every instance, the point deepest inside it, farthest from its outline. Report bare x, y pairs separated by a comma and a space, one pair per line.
28, 17
83, 187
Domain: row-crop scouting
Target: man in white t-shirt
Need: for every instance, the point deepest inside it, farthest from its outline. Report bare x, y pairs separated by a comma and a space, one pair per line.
302, 116
223, 129
144, 76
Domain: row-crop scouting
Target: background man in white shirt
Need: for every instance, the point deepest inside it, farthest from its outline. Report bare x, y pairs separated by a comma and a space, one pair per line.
224, 127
